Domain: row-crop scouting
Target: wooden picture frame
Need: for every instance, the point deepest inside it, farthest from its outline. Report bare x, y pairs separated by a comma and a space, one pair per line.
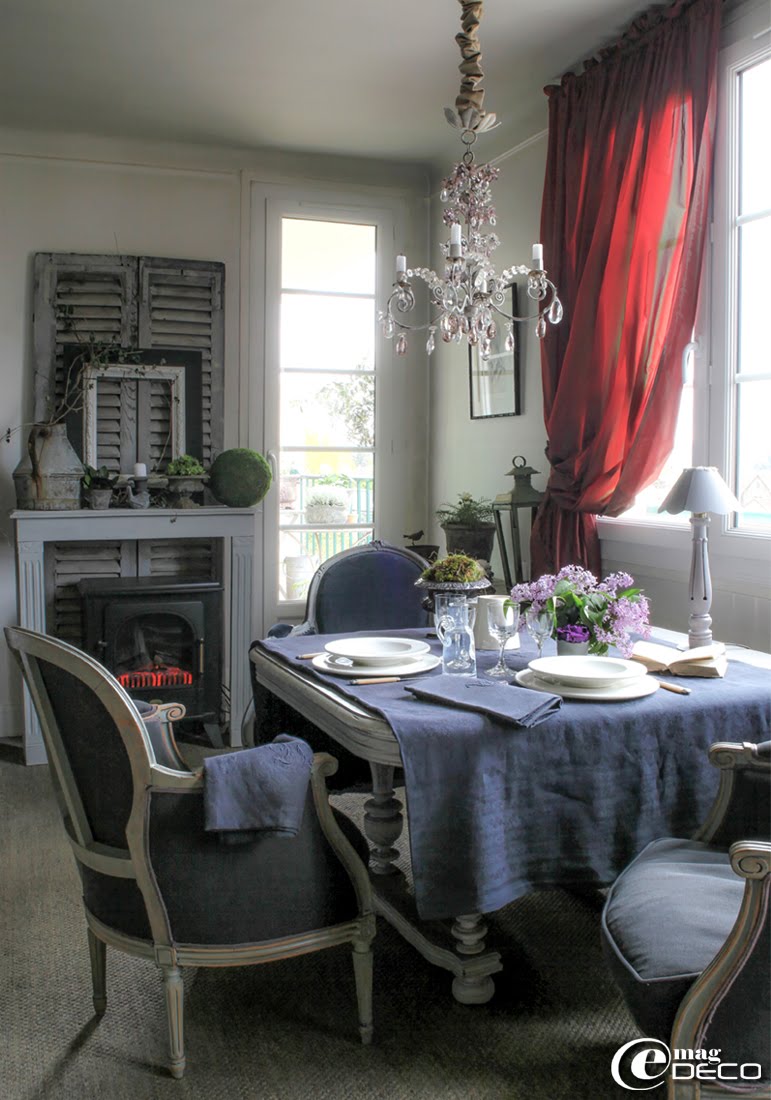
494, 383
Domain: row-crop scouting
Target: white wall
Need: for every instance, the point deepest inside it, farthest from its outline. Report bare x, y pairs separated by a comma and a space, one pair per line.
72, 193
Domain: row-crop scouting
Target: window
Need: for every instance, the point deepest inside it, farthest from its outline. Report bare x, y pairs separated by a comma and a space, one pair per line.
326, 394
726, 398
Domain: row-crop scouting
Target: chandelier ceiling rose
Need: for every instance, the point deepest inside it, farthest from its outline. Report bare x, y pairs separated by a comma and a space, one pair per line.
468, 299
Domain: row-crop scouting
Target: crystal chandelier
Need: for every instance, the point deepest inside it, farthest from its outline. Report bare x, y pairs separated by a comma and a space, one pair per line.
468, 300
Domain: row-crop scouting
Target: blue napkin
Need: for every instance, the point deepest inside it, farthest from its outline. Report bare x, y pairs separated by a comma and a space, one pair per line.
260, 790
506, 702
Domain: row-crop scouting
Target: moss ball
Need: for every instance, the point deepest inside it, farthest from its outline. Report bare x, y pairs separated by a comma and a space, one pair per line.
239, 478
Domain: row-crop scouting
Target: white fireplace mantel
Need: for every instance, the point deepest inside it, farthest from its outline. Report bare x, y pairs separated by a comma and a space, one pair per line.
234, 525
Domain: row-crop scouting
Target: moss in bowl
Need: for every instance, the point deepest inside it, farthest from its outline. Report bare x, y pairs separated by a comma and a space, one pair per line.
454, 569
239, 478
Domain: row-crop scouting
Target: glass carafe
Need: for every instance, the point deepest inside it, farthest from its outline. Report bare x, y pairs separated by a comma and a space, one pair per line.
458, 650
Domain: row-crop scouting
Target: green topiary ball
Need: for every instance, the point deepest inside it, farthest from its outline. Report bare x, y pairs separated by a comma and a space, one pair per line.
239, 478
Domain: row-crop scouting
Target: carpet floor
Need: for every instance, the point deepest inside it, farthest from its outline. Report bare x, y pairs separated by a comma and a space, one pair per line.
287, 1030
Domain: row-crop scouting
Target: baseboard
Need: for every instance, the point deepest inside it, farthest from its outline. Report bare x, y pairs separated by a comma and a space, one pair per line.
11, 721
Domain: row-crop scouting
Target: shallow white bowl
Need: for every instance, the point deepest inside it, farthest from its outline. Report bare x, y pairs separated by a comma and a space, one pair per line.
377, 651
586, 671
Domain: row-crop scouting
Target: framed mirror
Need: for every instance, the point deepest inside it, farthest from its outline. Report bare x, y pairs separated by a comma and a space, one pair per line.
494, 383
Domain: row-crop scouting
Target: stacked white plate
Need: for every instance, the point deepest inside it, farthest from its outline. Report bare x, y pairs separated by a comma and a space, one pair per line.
602, 679
367, 657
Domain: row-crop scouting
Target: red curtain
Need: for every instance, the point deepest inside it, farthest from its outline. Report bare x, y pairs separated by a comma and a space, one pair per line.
623, 224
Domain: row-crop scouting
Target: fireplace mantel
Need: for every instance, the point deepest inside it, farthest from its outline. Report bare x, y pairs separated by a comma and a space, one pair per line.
234, 525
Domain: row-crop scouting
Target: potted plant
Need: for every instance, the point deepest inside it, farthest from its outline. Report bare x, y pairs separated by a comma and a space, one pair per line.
454, 573
468, 526
326, 505
98, 485
186, 476
602, 613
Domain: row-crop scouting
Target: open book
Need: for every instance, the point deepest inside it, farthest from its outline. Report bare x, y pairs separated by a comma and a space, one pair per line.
706, 660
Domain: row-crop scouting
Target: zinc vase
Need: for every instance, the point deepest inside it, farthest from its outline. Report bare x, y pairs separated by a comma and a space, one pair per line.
50, 483
572, 649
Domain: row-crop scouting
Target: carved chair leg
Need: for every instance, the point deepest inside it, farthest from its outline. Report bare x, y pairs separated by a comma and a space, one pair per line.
97, 951
362, 969
175, 1006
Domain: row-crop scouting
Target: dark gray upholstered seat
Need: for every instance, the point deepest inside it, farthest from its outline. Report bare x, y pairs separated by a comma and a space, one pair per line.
686, 926
158, 885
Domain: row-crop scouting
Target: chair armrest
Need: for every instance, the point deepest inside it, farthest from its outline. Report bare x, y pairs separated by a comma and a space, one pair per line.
323, 766
742, 806
725, 1006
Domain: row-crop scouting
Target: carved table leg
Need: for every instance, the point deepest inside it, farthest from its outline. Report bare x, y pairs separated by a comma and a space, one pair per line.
383, 821
469, 987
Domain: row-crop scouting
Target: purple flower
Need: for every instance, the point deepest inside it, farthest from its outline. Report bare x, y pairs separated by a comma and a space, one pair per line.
574, 632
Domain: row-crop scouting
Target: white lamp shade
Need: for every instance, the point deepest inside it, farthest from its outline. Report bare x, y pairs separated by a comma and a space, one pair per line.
700, 489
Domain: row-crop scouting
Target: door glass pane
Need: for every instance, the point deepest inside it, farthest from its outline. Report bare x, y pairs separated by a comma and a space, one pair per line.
328, 410
754, 250
755, 160
307, 322
753, 459
327, 396
325, 255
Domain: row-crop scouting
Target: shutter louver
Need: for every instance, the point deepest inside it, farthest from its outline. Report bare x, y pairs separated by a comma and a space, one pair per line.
66, 563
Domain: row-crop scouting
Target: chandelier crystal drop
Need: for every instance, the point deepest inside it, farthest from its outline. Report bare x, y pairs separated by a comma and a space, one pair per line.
467, 301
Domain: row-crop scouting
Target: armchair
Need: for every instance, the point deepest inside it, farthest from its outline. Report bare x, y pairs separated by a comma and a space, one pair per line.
369, 587
687, 935
155, 884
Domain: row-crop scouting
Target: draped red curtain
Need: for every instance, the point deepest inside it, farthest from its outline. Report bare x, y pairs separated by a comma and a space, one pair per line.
623, 224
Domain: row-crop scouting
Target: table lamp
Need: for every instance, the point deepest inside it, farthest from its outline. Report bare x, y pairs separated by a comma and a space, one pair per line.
700, 490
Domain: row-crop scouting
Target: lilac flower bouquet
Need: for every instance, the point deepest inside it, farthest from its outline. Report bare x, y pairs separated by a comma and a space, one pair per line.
610, 610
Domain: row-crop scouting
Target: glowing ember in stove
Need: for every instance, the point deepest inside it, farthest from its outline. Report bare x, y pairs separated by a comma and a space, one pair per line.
156, 677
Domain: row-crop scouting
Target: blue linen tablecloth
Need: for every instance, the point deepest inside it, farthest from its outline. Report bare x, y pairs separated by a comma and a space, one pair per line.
496, 811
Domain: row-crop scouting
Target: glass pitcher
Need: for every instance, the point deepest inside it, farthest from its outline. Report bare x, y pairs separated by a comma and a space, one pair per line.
457, 637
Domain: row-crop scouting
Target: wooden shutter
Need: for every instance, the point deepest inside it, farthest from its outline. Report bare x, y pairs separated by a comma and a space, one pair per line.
181, 306
66, 563
99, 295
198, 559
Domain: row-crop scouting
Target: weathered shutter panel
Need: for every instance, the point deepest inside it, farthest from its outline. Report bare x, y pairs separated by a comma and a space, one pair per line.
181, 306
66, 563
99, 295
198, 559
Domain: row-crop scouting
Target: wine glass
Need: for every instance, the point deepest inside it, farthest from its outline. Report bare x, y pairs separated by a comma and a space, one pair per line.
540, 623
502, 622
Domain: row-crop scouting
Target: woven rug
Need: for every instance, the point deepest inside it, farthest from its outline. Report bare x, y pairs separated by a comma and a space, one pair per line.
287, 1030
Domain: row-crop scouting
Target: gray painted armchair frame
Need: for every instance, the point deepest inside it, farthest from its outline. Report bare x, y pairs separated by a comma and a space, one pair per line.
150, 777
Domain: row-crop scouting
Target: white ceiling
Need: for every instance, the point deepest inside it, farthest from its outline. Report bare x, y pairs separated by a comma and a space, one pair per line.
360, 77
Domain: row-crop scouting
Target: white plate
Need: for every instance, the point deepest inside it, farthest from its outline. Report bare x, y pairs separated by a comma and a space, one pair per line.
341, 666
629, 689
586, 671
377, 651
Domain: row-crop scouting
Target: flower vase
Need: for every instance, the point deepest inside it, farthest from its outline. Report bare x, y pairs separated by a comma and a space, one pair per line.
571, 649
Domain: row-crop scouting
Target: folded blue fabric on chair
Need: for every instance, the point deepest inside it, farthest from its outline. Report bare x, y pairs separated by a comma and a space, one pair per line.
506, 702
261, 790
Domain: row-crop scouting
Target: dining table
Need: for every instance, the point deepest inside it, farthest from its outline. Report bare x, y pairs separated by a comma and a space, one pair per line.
497, 807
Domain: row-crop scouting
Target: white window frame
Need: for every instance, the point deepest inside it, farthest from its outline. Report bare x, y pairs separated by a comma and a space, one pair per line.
268, 204
747, 553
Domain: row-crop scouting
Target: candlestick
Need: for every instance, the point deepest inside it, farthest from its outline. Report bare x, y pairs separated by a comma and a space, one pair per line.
140, 469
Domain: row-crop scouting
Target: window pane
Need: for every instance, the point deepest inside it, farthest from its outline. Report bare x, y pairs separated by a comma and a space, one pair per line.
755, 160
647, 502
328, 256
328, 410
753, 474
342, 475
302, 552
352, 320
754, 250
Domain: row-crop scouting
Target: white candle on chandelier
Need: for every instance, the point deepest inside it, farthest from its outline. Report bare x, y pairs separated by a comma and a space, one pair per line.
538, 257
455, 242
401, 264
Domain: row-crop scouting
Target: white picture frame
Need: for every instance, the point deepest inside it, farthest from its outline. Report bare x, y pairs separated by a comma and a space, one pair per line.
92, 374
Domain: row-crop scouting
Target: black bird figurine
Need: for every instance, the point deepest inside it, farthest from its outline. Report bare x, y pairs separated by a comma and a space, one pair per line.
414, 536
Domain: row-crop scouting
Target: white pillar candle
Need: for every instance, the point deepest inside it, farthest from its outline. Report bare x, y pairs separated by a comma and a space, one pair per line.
401, 264
456, 249
140, 469
538, 257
